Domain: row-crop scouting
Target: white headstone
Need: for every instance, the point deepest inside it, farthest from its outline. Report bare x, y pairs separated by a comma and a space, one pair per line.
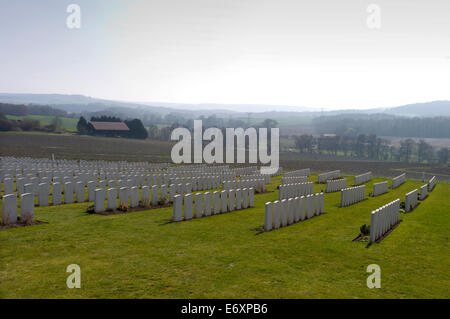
68, 193
207, 203
198, 205
145, 196
9, 209
188, 199
155, 195
134, 197
80, 192
177, 208
112, 198
224, 201
99, 200
123, 196
27, 207
56, 193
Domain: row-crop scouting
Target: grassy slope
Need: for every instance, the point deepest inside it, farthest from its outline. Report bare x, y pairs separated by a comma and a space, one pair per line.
69, 124
141, 255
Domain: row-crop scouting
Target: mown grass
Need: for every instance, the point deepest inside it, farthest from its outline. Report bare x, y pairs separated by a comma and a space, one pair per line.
143, 255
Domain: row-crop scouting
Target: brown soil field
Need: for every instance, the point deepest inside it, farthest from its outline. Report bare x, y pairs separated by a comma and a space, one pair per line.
83, 147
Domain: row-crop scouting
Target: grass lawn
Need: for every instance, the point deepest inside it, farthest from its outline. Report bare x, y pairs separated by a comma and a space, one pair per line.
143, 255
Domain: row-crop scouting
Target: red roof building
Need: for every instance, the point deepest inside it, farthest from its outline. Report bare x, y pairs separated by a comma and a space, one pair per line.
109, 129
110, 126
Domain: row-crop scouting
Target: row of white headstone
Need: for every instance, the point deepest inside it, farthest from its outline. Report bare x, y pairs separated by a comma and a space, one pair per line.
335, 185
266, 177
322, 178
380, 188
129, 196
43, 190
353, 195
246, 170
411, 200
294, 179
194, 169
207, 204
431, 183
383, 219
299, 172
293, 190
289, 211
10, 212
399, 180
423, 192
363, 178
258, 184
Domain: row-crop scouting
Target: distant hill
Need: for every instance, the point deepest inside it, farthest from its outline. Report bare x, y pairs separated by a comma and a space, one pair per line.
81, 104
428, 109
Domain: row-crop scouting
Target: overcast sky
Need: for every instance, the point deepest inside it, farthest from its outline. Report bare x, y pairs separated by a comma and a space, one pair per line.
319, 53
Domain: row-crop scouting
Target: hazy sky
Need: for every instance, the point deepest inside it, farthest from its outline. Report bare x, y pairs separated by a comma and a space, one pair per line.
317, 53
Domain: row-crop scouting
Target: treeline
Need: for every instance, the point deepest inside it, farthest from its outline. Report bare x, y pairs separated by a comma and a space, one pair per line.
163, 132
382, 124
371, 147
24, 110
28, 124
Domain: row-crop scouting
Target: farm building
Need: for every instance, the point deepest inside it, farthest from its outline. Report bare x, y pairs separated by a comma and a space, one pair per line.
112, 129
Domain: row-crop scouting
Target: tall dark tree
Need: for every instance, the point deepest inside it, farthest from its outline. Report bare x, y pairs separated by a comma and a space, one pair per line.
82, 126
137, 129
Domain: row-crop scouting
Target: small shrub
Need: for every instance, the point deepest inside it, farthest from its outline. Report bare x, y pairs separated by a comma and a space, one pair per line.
90, 209
365, 230
162, 201
123, 207
143, 203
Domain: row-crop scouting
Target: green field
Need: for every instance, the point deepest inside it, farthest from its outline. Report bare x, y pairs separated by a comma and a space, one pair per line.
143, 255
68, 124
